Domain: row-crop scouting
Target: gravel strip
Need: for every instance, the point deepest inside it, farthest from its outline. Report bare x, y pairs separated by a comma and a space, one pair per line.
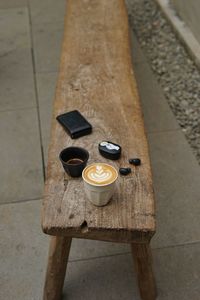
176, 72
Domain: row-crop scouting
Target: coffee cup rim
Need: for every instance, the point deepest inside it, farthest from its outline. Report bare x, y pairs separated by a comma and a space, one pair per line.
74, 148
100, 185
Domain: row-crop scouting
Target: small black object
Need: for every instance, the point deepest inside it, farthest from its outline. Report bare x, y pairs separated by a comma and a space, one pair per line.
125, 171
75, 124
135, 161
110, 150
74, 160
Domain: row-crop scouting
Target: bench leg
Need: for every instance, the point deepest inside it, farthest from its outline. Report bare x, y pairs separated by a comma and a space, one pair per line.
56, 269
143, 263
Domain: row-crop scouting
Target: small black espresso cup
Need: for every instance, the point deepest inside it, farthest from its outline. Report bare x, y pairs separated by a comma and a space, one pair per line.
74, 160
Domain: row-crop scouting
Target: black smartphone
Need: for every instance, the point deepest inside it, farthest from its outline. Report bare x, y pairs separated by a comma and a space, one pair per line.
75, 124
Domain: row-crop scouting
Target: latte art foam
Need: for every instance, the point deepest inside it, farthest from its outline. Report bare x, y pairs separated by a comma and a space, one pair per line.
100, 174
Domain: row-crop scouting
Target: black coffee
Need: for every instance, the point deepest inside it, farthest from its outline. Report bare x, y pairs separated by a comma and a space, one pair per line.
75, 161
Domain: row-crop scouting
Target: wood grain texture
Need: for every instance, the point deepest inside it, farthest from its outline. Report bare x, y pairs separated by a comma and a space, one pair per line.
96, 77
143, 264
56, 269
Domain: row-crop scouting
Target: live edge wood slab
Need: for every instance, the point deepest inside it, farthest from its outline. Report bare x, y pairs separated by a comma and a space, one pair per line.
96, 77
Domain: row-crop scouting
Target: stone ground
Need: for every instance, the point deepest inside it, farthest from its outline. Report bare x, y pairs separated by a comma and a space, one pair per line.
31, 36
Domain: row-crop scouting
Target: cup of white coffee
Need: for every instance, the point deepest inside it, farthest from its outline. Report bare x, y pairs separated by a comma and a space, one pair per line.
99, 182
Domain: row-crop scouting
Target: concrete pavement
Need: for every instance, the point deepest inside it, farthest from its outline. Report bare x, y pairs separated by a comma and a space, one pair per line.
31, 34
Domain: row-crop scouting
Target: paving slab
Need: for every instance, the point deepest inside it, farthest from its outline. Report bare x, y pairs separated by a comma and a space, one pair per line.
13, 3
137, 54
16, 72
23, 251
17, 90
177, 272
108, 278
21, 174
47, 11
82, 249
46, 85
157, 113
176, 176
47, 40
14, 29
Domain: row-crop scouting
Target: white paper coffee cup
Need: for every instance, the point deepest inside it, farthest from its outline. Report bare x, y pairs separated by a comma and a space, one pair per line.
99, 182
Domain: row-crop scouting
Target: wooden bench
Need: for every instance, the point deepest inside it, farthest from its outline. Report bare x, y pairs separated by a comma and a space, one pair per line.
96, 77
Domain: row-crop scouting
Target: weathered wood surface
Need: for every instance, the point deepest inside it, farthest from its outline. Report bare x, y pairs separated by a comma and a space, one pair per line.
143, 263
96, 77
58, 257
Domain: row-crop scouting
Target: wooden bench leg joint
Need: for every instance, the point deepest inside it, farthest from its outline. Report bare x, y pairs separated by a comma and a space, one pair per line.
143, 263
56, 269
